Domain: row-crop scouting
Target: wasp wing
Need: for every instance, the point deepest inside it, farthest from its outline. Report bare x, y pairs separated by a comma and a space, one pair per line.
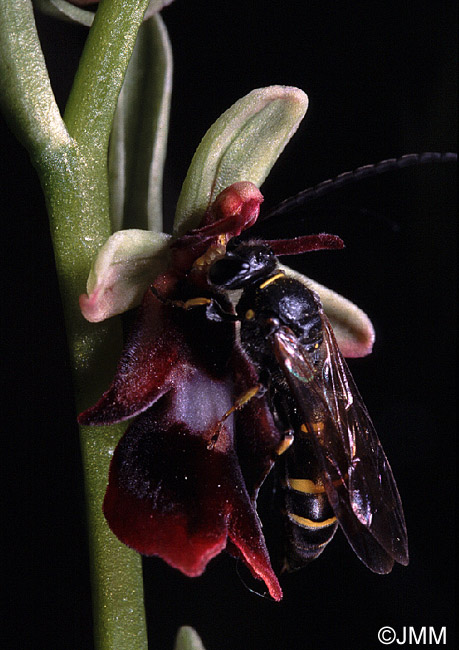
357, 476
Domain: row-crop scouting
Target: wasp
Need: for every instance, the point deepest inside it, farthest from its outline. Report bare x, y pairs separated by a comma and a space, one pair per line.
334, 468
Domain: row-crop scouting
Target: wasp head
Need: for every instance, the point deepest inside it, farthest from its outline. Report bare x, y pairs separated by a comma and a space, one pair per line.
243, 264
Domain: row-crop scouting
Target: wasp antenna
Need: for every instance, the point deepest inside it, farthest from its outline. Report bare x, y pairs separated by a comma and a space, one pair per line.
358, 174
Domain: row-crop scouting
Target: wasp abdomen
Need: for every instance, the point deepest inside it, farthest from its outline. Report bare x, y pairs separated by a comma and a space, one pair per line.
309, 518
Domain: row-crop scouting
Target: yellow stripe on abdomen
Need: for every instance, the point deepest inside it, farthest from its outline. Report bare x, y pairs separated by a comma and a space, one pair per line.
310, 523
315, 427
305, 485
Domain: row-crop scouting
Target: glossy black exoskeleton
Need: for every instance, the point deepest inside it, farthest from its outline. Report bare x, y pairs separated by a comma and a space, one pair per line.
334, 470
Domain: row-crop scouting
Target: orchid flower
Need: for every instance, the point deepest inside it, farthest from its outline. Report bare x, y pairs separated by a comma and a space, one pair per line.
172, 493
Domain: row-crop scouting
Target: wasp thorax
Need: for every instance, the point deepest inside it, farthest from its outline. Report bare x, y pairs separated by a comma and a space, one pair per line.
286, 302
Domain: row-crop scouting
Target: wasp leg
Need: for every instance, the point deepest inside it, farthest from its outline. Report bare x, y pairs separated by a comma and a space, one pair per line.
237, 406
214, 311
187, 304
285, 443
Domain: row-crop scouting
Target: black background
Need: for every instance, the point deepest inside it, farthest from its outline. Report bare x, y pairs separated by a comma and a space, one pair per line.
380, 79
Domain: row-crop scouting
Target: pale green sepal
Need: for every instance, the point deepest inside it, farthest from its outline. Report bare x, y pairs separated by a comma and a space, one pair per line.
124, 268
188, 639
139, 135
65, 11
242, 145
353, 329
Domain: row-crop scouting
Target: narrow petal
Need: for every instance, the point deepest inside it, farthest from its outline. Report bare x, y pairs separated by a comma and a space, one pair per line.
242, 145
126, 265
353, 329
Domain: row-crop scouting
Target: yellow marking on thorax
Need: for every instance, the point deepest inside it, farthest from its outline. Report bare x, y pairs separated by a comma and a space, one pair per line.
249, 314
271, 280
305, 485
284, 444
309, 523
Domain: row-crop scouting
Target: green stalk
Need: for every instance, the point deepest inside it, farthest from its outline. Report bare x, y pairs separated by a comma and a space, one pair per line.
71, 161
92, 101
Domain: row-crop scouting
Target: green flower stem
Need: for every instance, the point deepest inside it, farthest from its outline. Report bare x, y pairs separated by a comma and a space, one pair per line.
92, 101
72, 165
119, 618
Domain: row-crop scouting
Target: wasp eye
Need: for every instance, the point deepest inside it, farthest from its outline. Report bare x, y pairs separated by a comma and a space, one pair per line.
226, 270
